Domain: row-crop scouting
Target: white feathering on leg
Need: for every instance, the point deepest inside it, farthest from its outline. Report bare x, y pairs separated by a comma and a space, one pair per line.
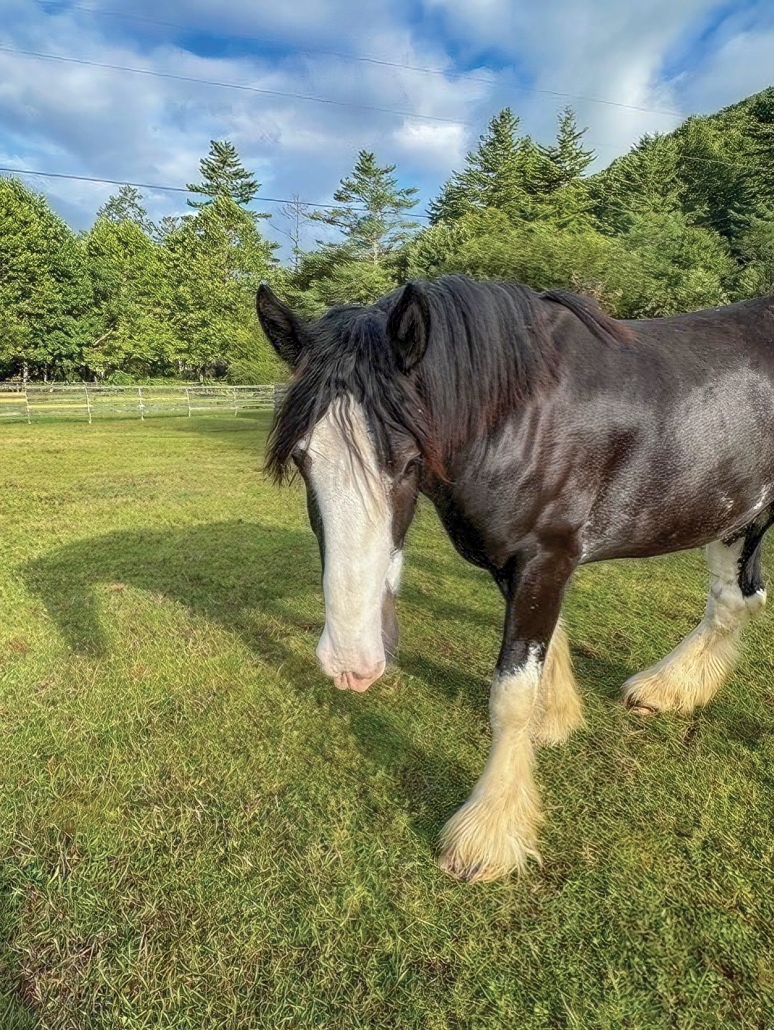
494, 833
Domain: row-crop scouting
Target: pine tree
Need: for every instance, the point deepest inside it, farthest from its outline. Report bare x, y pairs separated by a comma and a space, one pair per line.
498, 174
126, 206
715, 186
566, 159
761, 133
224, 175
372, 219
644, 180
213, 264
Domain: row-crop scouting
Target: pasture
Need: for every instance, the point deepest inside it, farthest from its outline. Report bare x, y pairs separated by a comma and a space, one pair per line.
198, 831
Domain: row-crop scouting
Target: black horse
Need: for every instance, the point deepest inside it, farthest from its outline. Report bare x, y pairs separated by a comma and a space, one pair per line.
547, 435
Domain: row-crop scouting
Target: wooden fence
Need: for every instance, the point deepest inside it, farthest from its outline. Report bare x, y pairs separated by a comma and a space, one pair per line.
86, 402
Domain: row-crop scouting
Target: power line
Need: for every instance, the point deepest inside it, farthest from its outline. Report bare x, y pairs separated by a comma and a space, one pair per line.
281, 200
364, 59
230, 85
173, 189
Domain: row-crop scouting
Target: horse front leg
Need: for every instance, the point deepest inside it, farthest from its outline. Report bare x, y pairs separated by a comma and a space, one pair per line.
495, 831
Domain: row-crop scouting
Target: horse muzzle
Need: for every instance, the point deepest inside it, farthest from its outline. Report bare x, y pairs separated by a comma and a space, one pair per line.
357, 681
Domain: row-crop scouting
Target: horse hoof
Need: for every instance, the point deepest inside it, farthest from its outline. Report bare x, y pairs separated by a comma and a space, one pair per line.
477, 872
638, 708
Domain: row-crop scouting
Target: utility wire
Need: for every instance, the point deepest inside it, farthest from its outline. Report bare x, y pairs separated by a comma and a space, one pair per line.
373, 60
281, 93
229, 85
175, 189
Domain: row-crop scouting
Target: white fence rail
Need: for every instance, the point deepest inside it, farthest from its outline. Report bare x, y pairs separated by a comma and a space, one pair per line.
86, 402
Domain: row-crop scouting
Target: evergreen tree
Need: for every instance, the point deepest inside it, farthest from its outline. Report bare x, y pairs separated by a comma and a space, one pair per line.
644, 180
126, 206
565, 160
224, 175
213, 264
761, 173
715, 187
497, 175
372, 219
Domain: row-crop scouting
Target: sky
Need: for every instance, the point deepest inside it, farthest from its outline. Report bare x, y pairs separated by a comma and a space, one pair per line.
415, 81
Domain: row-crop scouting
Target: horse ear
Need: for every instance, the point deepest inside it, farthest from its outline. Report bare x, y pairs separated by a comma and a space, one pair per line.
284, 331
408, 326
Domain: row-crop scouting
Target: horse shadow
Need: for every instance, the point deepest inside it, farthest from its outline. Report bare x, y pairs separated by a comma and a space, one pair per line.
250, 577
220, 571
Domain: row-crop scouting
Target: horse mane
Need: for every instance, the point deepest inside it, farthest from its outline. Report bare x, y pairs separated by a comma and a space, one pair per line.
490, 347
607, 328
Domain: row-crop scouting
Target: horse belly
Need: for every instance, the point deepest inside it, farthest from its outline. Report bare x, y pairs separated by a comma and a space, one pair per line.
697, 480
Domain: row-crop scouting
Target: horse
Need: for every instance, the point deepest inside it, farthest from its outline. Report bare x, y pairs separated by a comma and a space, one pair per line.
547, 435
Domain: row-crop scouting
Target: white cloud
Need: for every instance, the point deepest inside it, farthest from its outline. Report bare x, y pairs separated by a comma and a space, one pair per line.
744, 64
438, 145
600, 49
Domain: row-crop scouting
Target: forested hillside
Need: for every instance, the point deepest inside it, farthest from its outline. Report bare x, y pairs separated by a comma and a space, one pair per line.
682, 221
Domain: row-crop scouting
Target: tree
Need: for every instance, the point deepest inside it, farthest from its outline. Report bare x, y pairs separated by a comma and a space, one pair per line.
128, 320
566, 159
511, 173
644, 180
761, 173
715, 187
224, 175
44, 291
126, 206
295, 212
497, 175
372, 220
213, 264
165, 227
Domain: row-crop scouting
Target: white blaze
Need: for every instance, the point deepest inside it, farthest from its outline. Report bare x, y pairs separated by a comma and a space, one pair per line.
352, 495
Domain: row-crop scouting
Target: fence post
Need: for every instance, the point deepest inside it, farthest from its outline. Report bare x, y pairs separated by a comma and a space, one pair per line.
233, 391
188, 400
88, 402
142, 406
27, 403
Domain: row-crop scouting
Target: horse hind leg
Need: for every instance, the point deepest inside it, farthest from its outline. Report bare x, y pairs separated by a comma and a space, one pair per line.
558, 709
701, 663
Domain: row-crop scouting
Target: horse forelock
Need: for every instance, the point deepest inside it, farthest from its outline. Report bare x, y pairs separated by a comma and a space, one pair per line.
348, 361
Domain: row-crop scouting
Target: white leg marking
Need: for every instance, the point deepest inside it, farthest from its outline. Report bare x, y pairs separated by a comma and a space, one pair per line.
559, 709
494, 833
693, 673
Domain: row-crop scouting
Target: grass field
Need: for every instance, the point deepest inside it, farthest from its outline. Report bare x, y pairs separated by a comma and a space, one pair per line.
198, 831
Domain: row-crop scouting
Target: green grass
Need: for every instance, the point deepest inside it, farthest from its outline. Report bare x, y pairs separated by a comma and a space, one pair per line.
198, 831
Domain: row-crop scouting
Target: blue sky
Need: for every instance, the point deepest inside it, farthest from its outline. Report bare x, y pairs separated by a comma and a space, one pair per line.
439, 69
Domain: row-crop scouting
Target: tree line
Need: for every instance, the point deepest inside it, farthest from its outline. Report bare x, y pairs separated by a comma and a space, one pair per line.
684, 220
